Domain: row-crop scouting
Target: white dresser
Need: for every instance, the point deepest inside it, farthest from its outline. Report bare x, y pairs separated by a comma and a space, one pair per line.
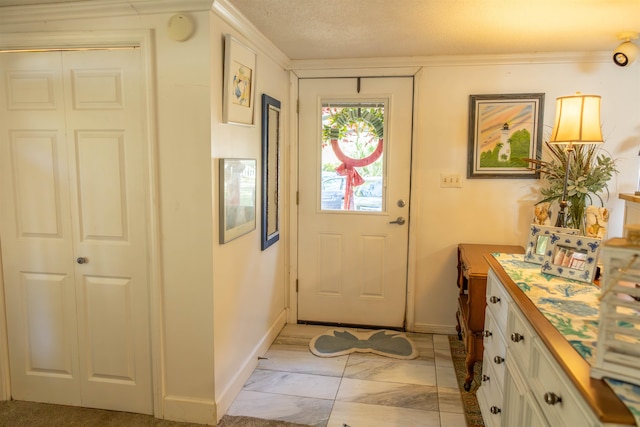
532, 376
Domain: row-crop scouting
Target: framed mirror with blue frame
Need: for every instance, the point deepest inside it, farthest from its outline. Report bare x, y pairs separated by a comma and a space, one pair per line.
270, 171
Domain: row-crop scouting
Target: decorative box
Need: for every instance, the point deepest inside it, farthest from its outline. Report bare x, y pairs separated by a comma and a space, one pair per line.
618, 348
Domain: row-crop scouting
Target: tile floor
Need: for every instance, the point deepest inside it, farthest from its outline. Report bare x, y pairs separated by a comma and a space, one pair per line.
356, 390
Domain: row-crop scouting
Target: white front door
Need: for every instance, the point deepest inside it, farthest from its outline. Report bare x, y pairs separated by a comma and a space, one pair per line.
355, 160
72, 222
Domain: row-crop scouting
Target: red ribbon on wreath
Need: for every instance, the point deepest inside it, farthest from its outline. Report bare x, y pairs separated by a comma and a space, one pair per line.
348, 165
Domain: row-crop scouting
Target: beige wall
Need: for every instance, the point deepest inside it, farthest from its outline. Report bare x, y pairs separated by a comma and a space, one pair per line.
499, 210
249, 291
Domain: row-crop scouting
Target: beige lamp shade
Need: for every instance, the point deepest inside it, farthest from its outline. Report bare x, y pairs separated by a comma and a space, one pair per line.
577, 120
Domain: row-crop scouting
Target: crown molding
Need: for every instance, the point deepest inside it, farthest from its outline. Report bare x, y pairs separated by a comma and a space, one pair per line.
96, 9
228, 13
306, 67
15, 42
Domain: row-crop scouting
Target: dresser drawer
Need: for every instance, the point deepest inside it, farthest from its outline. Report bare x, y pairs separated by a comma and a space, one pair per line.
497, 300
519, 339
495, 348
490, 398
556, 396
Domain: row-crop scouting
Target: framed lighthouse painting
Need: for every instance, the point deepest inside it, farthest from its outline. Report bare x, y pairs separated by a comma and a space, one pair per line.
504, 131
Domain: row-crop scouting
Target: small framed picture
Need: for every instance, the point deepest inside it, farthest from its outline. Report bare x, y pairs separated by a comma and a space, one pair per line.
540, 239
572, 257
239, 82
237, 198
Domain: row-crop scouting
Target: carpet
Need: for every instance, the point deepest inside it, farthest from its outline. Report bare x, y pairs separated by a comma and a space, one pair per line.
338, 342
14, 413
469, 401
236, 421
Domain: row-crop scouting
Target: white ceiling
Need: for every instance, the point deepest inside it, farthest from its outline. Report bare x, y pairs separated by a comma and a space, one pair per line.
325, 29
333, 29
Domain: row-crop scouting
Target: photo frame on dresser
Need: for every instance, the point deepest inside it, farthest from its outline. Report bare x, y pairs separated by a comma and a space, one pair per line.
572, 257
540, 239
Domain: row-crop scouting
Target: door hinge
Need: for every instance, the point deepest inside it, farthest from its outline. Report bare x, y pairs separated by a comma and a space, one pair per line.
297, 198
296, 285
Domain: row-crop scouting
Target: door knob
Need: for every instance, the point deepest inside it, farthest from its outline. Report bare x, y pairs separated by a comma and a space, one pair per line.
398, 221
81, 260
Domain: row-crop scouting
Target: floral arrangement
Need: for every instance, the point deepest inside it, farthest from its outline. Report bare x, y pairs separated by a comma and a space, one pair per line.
589, 175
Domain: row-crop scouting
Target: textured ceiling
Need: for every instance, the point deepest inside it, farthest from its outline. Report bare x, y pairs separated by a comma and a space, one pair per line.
333, 29
326, 29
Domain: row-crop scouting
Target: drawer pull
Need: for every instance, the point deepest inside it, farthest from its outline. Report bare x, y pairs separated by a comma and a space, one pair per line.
498, 360
485, 378
494, 300
487, 334
552, 398
495, 410
516, 337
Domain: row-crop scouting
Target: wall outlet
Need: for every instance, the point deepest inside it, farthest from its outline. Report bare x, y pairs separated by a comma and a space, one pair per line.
450, 181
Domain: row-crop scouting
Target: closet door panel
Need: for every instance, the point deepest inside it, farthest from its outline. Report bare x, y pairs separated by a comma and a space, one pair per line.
35, 225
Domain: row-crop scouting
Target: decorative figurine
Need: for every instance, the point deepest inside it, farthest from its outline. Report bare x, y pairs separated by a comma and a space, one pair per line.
596, 222
542, 214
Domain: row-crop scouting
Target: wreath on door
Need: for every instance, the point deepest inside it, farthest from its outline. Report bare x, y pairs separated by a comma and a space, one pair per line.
341, 122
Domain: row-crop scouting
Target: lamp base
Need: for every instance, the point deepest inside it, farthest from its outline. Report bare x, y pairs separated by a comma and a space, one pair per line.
561, 220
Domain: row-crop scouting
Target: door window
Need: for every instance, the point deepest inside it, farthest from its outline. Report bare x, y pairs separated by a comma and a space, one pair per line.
352, 156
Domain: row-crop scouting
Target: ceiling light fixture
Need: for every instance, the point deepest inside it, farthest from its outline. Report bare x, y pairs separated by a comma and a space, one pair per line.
626, 53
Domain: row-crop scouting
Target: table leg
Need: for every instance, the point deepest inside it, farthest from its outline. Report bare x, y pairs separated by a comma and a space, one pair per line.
470, 362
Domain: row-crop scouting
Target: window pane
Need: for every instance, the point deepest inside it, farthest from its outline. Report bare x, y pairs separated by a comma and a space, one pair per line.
352, 157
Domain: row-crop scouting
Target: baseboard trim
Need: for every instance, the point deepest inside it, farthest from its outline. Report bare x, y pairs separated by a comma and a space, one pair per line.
229, 394
434, 329
190, 410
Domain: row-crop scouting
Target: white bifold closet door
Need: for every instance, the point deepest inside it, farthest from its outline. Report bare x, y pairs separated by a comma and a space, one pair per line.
72, 228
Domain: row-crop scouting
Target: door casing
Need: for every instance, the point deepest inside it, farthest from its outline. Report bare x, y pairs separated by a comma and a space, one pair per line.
338, 282
294, 76
140, 39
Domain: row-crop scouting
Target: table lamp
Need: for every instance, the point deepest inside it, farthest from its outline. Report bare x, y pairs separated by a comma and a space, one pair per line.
577, 122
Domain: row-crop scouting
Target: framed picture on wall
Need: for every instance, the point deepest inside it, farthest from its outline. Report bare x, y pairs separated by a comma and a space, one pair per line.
239, 82
237, 198
503, 131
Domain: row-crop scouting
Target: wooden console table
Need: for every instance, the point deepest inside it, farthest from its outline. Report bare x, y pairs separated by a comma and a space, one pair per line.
472, 284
